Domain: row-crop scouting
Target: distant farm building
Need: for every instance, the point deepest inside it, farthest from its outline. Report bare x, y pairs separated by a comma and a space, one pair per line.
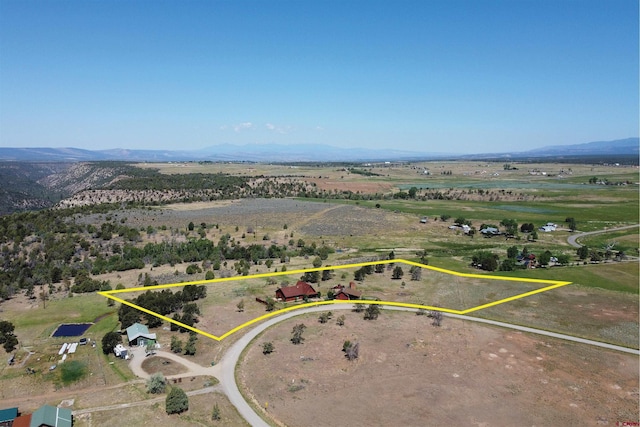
490, 231
294, 293
346, 293
548, 227
138, 334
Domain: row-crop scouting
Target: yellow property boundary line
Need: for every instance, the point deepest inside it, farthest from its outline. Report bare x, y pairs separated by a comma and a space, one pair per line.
551, 284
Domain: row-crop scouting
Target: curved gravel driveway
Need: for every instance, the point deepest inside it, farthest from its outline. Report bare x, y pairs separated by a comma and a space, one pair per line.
572, 240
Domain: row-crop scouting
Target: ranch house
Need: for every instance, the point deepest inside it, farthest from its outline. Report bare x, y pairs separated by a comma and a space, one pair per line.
294, 293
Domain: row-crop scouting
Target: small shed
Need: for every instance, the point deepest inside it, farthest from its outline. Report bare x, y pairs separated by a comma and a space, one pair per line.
7, 416
138, 334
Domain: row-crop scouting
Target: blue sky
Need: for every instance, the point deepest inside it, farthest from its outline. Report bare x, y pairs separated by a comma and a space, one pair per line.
432, 76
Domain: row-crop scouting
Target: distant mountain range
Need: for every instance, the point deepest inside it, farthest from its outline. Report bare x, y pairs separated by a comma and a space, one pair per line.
305, 153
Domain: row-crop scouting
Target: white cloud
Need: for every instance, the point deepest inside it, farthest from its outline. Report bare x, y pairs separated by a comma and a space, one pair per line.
279, 129
242, 126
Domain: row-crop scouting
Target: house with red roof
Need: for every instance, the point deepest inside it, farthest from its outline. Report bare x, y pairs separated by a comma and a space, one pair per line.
294, 293
342, 292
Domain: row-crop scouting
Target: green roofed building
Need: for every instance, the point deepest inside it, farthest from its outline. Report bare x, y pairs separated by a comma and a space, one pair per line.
50, 416
138, 334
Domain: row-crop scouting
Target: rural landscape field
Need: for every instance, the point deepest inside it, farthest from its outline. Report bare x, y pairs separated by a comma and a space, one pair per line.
319, 213
208, 246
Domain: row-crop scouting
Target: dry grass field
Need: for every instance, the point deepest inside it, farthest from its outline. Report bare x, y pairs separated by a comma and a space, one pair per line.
410, 373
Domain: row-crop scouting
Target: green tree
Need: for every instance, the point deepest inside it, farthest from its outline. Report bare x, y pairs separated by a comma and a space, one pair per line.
191, 226
397, 273
7, 337
510, 225
512, 252
324, 317
176, 345
10, 343
296, 333
372, 312
485, 260
351, 350
340, 320
109, 341
268, 347
156, 383
508, 264
412, 192
311, 277
190, 347
210, 275
317, 262
583, 252
572, 223
177, 401
544, 258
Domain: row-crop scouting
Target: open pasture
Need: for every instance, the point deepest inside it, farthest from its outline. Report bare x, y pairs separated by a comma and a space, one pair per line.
411, 373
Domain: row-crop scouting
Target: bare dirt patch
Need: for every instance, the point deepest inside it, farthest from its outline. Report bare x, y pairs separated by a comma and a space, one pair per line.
166, 367
410, 373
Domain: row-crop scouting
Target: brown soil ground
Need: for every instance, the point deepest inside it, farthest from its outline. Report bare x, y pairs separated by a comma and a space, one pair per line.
167, 367
410, 373
199, 413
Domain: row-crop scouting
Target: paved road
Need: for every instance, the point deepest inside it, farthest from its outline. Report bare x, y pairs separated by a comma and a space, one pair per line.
572, 240
231, 358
